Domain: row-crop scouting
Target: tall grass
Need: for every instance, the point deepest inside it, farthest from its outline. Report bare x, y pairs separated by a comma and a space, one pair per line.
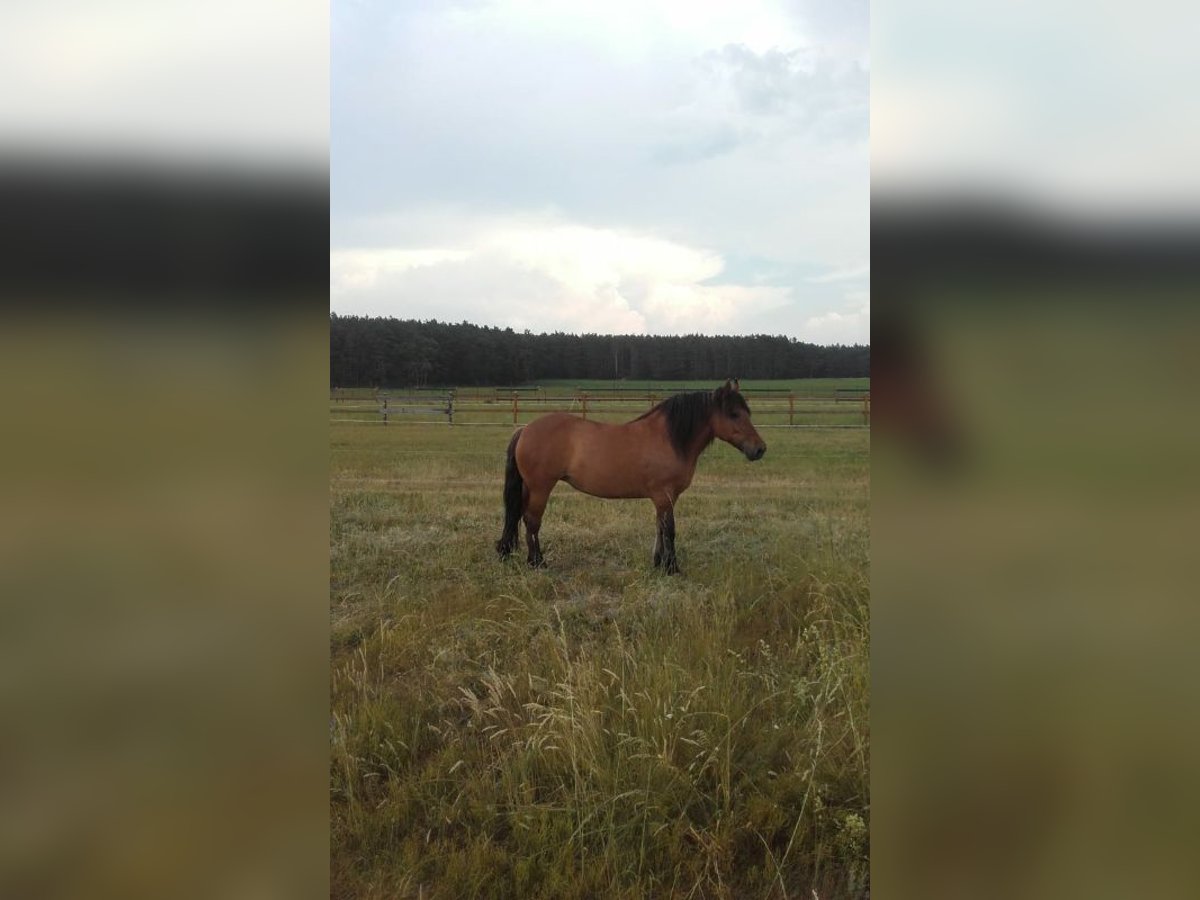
598, 729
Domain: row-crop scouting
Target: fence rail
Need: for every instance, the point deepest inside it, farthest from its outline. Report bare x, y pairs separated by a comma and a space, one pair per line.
771, 407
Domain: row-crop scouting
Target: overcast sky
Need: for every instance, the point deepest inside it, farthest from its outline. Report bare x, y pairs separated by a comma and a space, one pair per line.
629, 166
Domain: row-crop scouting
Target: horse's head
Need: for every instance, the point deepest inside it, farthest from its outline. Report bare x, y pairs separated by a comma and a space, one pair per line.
731, 421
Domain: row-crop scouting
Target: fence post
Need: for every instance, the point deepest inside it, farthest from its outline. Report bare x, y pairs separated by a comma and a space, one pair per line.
867, 409
385, 411
450, 407
514, 407
585, 406
791, 409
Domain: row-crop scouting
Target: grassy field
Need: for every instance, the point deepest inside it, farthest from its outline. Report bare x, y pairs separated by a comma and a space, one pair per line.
597, 729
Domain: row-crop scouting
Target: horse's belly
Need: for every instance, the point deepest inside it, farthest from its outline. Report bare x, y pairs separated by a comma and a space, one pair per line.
615, 473
611, 485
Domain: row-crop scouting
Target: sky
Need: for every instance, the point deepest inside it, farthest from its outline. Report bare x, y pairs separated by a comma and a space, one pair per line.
613, 166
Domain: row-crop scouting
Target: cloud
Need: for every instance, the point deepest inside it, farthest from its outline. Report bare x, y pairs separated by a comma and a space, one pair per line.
841, 27
487, 288
357, 270
628, 29
859, 272
552, 276
848, 325
737, 98
800, 86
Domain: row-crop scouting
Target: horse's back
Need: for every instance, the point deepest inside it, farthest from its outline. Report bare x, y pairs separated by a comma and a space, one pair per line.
552, 428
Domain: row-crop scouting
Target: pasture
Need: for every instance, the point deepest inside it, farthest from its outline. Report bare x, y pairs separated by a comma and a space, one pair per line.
598, 728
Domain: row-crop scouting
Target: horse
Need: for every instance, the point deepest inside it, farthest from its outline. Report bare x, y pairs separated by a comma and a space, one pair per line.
651, 457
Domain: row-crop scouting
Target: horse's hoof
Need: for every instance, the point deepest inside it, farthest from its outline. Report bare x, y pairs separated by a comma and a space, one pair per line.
673, 569
537, 564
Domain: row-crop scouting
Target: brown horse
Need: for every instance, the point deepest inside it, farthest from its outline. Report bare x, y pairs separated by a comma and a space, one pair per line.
654, 457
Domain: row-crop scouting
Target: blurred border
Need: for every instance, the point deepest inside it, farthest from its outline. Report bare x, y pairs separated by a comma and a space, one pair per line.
1034, 489
164, 535
1035, 236
164, 525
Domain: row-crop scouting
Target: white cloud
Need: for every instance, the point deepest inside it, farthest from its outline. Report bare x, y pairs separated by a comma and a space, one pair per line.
354, 270
849, 325
849, 273
552, 276
584, 256
638, 28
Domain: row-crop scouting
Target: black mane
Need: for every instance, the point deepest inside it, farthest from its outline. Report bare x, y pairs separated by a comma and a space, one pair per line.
687, 414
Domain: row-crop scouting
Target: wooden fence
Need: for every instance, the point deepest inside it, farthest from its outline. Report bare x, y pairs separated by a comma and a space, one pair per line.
379, 409
491, 406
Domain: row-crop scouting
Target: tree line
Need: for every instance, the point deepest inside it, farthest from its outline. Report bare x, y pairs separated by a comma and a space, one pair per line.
385, 352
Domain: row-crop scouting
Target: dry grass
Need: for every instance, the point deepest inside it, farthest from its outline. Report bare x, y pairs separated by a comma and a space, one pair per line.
598, 729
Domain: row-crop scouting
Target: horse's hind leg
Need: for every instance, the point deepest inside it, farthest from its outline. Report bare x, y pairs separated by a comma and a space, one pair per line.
664, 543
509, 539
515, 492
535, 505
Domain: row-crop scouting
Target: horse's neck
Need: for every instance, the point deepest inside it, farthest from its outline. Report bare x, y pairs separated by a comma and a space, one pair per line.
701, 442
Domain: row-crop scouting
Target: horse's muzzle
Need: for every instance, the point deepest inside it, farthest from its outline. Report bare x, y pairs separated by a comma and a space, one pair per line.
753, 453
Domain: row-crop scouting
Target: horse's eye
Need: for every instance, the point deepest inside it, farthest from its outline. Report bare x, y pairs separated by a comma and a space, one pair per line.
735, 415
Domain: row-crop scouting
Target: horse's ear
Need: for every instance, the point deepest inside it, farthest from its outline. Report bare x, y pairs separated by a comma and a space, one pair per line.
736, 385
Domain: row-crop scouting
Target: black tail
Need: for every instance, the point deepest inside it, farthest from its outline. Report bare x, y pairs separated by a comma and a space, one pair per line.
514, 491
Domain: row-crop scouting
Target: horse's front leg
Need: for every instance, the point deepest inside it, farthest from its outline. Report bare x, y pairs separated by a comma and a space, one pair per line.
664, 545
